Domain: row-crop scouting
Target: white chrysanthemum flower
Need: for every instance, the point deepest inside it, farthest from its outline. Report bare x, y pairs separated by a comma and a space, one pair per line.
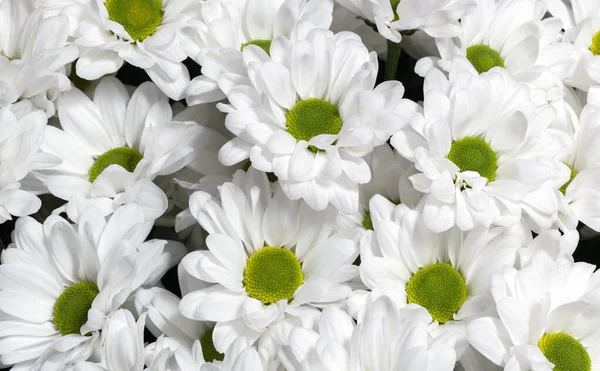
310, 113
547, 317
20, 140
387, 339
581, 200
59, 283
484, 148
143, 33
114, 146
226, 27
389, 179
511, 34
33, 56
392, 17
271, 261
446, 273
581, 24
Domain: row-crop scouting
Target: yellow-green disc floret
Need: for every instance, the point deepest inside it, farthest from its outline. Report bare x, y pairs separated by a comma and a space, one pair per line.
209, 351
312, 117
72, 306
484, 58
127, 157
272, 274
263, 44
563, 189
367, 222
140, 18
595, 47
565, 352
474, 154
439, 288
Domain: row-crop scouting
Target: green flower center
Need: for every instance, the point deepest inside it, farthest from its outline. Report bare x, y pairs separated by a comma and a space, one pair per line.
263, 44
394, 4
72, 306
312, 117
439, 288
209, 351
483, 58
126, 157
367, 223
563, 189
474, 154
271, 274
565, 352
595, 47
140, 18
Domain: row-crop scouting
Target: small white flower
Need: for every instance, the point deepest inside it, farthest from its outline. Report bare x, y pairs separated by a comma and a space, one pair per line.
60, 283
391, 17
226, 27
144, 33
33, 56
310, 113
114, 147
270, 262
485, 149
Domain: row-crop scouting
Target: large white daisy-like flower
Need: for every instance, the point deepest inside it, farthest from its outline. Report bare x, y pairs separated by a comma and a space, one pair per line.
511, 34
484, 148
144, 33
581, 24
270, 262
392, 17
226, 27
387, 339
59, 283
581, 200
20, 141
547, 317
33, 56
446, 273
114, 147
310, 113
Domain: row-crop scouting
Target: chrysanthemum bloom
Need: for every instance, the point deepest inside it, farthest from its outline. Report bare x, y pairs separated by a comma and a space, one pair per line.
387, 339
446, 273
270, 262
20, 141
143, 33
310, 113
114, 147
59, 283
33, 56
511, 34
391, 17
581, 23
547, 317
226, 27
581, 200
483, 146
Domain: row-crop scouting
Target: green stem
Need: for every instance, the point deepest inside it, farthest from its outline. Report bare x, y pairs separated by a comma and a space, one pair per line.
393, 54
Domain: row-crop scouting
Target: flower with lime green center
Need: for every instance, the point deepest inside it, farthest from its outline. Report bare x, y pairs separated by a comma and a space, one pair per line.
564, 187
595, 47
484, 58
140, 18
566, 352
474, 154
72, 306
272, 274
208, 347
263, 44
439, 288
311, 117
126, 157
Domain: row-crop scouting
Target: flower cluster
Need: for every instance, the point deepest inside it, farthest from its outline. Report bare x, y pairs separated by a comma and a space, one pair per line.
268, 199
